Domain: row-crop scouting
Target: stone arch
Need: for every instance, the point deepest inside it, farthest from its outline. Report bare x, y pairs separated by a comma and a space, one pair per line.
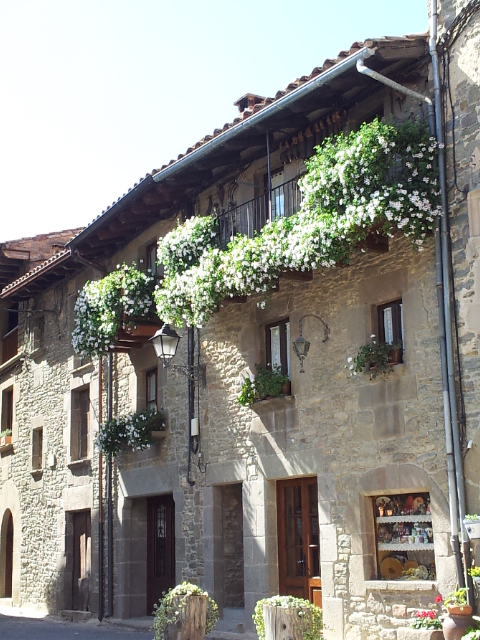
10, 542
359, 522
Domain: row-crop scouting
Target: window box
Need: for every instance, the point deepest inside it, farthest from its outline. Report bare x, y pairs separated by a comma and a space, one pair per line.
5, 443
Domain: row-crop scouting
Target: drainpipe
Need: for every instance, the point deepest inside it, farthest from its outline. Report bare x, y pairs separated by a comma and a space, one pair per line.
109, 612
190, 398
444, 310
447, 275
269, 177
100, 495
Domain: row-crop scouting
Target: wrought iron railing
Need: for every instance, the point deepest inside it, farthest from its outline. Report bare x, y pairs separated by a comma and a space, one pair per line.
252, 216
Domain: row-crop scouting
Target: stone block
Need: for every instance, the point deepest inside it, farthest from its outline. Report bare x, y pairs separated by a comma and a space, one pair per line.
356, 574
332, 618
399, 611
328, 542
419, 634
388, 421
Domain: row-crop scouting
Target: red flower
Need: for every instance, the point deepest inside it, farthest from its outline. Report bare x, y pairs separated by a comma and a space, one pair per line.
439, 599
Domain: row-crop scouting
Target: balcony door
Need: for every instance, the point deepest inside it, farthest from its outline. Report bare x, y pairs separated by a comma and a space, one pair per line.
298, 539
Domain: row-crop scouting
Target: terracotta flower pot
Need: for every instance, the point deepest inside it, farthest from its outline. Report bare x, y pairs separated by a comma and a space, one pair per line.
287, 388
454, 626
459, 610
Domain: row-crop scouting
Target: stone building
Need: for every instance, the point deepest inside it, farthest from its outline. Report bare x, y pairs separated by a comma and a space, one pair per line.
298, 494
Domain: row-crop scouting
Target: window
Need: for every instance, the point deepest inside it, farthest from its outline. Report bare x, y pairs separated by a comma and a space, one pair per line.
151, 258
7, 409
37, 449
80, 426
278, 196
404, 536
277, 341
151, 389
390, 323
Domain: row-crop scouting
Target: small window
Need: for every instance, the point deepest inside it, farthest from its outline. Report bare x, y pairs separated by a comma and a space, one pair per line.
151, 389
7, 409
37, 449
277, 340
151, 258
80, 425
404, 537
390, 323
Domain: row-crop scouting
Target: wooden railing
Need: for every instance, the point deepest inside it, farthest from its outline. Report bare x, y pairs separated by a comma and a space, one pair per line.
10, 345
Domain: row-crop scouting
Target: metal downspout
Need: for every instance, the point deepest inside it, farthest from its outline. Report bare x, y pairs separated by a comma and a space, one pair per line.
100, 495
269, 176
447, 305
190, 398
448, 409
109, 612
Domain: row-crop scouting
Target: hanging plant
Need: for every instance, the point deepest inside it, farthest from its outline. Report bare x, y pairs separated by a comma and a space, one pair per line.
101, 306
133, 431
382, 177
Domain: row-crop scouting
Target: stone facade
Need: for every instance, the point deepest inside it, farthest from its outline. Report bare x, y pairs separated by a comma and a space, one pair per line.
358, 437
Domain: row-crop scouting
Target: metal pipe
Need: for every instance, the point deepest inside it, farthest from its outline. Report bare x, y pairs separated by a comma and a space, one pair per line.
269, 176
366, 71
109, 612
256, 118
447, 275
100, 495
190, 398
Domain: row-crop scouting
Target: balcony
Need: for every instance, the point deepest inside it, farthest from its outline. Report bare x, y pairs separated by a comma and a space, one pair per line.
10, 345
251, 217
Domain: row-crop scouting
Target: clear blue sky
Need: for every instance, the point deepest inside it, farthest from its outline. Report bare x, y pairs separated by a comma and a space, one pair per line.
95, 93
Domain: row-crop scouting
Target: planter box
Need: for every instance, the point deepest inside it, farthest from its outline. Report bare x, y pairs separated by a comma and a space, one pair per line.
159, 435
472, 528
420, 634
193, 619
284, 622
5, 443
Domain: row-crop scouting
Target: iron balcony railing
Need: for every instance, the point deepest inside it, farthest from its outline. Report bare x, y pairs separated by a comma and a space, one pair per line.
252, 216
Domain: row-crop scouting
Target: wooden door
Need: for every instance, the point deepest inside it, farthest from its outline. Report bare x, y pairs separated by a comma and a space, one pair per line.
298, 539
7, 591
82, 545
160, 548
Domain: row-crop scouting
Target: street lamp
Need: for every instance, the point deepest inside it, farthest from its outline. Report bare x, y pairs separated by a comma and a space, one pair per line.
165, 343
302, 346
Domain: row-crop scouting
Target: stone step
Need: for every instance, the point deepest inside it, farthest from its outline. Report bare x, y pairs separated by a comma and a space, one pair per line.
76, 616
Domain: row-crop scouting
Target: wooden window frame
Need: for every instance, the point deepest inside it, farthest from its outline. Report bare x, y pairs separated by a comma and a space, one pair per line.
282, 324
397, 329
80, 424
148, 400
37, 449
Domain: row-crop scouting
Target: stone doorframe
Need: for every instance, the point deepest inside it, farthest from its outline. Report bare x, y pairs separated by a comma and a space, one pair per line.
359, 524
10, 501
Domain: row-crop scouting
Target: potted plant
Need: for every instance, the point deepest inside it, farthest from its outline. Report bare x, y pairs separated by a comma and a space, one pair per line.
137, 431
474, 572
471, 523
395, 355
268, 383
295, 617
5, 437
182, 608
373, 357
456, 603
429, 621
473, 632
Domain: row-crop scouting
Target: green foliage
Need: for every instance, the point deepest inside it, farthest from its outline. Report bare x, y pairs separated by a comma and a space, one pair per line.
473, 632
267, 383
5, 433
101, 305
134, 431
381, 178
173, 603
472, 517
374, 357
474, 572
426, 620
313, 633
456, 598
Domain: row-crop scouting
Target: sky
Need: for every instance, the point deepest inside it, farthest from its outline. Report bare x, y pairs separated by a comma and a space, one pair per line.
96, 93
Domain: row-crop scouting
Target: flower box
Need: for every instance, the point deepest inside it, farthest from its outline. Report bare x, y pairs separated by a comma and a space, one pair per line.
5, 443
472, 528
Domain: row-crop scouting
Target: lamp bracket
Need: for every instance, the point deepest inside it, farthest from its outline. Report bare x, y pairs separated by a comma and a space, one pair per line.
326, 330
197, 373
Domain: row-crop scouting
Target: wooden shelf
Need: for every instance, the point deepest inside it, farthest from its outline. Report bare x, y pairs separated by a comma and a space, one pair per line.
409, 518
387, 546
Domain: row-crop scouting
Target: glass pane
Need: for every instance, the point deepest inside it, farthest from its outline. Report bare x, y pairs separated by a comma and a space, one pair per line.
275, 346
151, 390
387, 324
160, 540
287, 336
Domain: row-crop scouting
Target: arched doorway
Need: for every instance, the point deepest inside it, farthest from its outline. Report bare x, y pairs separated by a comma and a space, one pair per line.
7, 554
